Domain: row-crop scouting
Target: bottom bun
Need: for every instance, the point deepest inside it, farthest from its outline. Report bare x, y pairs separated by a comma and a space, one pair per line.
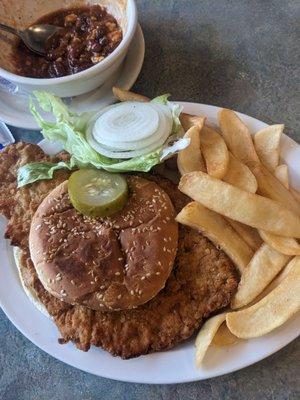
30, 292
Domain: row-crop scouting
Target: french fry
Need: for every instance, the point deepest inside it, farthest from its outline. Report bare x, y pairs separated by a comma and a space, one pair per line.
269, 289
282, 173
295, 194
271, 311
267, 143
188, 120
215, 152
190, 159
275, 282
217, 229
224, 337
239, 175
285, 245
126, 95
270, 186
238, 139
248, 208
249, 234
206, 335
262, 269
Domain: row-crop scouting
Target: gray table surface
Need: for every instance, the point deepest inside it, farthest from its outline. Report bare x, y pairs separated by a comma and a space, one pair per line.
242, 55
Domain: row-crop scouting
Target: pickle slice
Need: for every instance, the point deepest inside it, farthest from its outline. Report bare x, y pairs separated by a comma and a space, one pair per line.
97, 193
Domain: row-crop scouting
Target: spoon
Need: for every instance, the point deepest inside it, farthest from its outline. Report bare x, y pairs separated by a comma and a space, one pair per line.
34, 37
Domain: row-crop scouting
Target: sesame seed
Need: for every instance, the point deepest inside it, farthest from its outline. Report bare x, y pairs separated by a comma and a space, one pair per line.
159, 263
119, 296
117, 273
131, 292
143, 278
157, 273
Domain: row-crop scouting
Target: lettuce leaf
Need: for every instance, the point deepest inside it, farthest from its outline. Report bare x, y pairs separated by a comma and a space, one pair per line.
69, 129
176, 110
37, 171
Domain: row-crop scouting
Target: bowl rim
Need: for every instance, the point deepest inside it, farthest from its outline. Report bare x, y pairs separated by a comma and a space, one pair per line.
89, 72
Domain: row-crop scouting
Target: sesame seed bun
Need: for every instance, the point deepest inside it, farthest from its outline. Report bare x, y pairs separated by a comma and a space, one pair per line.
107, 264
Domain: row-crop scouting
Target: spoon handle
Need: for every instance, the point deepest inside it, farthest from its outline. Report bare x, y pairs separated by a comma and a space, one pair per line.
9, 29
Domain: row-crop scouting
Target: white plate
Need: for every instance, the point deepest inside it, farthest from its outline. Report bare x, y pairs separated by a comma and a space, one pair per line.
173, 366
14, 107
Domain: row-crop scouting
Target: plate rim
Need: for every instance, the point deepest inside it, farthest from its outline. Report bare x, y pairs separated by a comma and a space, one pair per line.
110, 374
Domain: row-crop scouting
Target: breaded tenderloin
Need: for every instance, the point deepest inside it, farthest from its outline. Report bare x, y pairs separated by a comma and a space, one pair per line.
203, 281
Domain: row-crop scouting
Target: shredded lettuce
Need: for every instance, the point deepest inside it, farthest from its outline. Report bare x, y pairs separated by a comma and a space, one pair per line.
69, 129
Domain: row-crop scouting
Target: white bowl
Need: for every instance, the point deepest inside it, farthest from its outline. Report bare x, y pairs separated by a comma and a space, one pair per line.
21, 14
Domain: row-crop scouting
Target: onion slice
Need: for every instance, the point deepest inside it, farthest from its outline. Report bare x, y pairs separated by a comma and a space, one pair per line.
130, 129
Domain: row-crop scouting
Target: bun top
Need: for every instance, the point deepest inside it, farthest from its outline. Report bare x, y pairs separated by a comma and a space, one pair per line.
110, 263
